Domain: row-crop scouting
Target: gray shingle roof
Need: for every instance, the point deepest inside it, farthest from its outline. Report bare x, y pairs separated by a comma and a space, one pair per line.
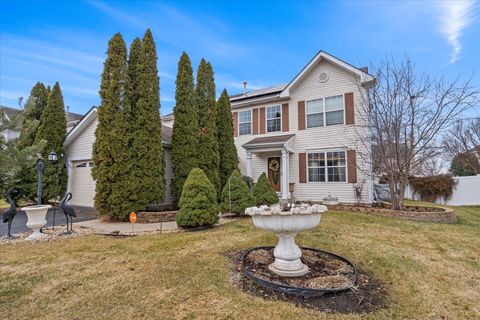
10, 112
166, 134
271, 139
70, 116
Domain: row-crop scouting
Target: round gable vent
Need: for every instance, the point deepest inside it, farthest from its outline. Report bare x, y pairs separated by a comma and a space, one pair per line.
323, 77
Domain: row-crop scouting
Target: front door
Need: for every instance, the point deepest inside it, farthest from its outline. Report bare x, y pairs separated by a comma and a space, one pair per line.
274, 173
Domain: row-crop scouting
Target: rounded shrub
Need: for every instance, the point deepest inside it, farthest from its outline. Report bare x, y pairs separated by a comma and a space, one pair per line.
263, 192
198, 202
235, 195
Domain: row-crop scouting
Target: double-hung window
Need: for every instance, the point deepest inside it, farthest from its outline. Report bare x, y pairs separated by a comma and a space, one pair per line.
325, 111
315, 113
334, 110
327, 167
245, 122
274, 119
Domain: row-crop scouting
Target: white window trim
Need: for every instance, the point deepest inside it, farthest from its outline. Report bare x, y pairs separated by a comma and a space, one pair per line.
281, 118
325, 151
251, 123
325, 113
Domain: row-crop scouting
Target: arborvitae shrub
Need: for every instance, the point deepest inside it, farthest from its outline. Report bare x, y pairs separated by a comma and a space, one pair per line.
236, 195
263, 192
226, 145
198, 203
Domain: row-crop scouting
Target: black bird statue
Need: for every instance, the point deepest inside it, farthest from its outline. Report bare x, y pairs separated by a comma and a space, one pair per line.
9, 214
68, 211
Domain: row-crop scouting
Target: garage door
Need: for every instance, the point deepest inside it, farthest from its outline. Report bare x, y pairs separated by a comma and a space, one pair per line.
82, 184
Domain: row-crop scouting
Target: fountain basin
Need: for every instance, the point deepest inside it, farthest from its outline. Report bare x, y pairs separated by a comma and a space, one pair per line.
37, 218
286, 225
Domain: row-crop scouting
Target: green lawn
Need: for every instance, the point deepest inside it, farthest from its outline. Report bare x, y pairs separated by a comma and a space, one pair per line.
431, 271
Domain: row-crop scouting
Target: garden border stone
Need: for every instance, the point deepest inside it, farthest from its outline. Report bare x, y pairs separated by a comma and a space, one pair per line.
422, 213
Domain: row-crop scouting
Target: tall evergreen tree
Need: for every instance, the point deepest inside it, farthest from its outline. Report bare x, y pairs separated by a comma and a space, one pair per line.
185, 127
25, 178
37, 101
52, 129
112, 90
126, 183
208, 159
226, 146
148, 136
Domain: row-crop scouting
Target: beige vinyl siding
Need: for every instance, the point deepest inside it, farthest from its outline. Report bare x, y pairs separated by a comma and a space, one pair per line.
82, 147
338, 137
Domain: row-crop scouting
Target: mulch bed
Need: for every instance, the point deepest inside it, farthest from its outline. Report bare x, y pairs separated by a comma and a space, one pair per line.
325, 272
366, 296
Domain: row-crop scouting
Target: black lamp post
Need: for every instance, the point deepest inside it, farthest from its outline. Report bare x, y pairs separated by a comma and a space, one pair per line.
52, 157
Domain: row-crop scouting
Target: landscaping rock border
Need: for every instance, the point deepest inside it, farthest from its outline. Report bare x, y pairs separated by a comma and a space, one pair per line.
156, 216
414, 213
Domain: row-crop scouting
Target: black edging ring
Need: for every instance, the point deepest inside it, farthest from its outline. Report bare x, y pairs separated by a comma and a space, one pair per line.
297, 291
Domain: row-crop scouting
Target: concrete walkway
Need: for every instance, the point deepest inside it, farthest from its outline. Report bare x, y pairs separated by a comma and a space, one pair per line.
126, 227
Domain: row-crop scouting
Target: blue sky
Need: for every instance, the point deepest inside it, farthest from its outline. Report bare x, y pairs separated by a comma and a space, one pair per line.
264, 43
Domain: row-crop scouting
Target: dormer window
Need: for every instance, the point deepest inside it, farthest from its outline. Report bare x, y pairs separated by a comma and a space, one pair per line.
274, 119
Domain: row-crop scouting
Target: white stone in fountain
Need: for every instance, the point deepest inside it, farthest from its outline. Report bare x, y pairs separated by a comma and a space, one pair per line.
286, 225
37, 218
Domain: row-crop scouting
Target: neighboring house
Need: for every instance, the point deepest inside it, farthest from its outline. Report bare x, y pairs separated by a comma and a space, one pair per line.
78, 147
303, 134
9, 134
167, 120
11, 114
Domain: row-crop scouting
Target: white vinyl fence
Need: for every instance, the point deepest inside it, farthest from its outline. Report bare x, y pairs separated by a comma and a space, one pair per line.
466, 192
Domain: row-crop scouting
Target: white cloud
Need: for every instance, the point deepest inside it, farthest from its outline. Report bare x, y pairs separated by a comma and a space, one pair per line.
456, 16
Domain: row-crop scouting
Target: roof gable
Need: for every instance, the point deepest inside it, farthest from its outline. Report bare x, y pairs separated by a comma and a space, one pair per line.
322, 55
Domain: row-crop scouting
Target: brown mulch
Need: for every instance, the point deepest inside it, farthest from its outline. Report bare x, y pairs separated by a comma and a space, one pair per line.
367, 295
325, 272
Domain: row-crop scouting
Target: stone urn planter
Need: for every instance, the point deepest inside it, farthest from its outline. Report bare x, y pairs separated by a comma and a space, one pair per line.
37, 218
286, 224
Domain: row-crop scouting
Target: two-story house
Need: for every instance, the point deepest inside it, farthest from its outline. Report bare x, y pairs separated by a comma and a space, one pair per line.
305, 134
302, 134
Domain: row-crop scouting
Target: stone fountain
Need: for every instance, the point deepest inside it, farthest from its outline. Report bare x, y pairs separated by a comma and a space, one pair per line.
286, 222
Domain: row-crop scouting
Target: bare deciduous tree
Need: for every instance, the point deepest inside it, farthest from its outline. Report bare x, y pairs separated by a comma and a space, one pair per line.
462, 141
405, 113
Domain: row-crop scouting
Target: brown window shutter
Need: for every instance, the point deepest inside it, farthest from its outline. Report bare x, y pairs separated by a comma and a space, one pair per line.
349, 110
302, 167
235, 124
352, 166
285, 117
255, 121
301, 115
262, 120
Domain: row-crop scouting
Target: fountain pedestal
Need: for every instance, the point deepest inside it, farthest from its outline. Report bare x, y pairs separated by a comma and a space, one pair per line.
37, 218
286, 225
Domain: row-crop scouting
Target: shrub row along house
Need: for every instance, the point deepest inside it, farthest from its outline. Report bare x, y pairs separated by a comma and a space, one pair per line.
303, 134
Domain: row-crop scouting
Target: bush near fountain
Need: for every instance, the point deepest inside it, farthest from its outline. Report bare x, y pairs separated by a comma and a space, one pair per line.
263, 192
198, 203
236, 196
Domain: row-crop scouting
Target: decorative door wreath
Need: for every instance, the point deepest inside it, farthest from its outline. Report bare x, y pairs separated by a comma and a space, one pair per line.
275, 167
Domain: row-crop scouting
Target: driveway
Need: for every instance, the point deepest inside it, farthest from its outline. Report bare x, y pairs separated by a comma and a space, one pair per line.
20, 221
